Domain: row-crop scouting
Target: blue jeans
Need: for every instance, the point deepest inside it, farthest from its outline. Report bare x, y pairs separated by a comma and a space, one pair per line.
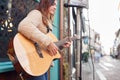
42, 77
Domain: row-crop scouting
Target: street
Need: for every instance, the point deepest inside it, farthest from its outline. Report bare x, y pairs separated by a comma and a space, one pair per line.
107, 69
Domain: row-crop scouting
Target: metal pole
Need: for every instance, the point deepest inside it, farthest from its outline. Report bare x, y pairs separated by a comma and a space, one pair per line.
81, 30
69, 51
78, 46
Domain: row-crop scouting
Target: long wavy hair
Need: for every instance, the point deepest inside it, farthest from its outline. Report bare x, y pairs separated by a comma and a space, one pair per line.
43, 8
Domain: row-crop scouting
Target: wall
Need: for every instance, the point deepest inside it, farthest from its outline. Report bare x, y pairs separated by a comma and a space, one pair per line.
54, 71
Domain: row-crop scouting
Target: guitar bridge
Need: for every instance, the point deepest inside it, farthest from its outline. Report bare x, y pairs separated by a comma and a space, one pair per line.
38, 50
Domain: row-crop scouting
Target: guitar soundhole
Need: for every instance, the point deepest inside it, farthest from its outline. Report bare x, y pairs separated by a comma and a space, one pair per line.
38, 50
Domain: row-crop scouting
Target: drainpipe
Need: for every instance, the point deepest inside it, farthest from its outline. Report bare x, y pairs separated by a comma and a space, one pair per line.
61, 37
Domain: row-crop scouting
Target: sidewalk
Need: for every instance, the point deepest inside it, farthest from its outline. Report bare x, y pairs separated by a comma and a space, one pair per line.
88, 73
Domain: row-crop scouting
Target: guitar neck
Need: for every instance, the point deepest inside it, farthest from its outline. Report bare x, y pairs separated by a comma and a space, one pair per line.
60, 43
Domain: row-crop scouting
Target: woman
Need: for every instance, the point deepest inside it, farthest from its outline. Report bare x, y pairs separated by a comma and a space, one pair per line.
37, 24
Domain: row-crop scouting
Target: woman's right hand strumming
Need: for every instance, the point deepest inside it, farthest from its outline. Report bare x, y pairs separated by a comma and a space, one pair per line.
52, 49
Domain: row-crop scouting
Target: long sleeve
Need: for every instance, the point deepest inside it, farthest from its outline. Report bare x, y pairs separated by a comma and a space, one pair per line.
33, 28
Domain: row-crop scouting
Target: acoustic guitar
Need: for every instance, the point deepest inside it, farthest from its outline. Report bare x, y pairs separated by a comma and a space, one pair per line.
34, 60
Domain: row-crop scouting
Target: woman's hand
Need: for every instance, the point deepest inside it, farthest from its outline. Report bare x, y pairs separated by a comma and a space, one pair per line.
52, 49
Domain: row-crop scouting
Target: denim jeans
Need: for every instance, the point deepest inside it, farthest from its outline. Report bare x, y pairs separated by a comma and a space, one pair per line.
42, 77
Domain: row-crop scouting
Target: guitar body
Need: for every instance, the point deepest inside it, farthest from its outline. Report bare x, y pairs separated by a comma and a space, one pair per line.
29, 59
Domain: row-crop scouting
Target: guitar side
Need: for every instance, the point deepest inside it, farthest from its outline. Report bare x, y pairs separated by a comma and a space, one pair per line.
29, 59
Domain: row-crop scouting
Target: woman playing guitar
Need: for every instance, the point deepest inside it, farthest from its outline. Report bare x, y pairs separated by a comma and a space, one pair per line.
36, 25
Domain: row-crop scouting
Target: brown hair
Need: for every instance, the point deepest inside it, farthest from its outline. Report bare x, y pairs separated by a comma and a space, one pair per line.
43, 8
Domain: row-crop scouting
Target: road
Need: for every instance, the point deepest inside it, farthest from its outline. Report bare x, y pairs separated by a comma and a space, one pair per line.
107, 69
